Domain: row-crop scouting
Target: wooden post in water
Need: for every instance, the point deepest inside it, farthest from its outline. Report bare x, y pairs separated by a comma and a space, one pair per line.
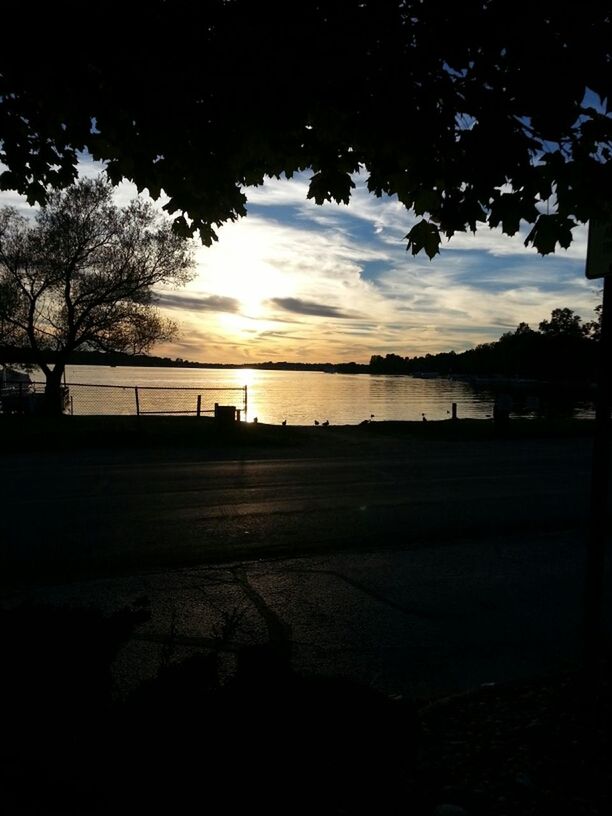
199, 405
245, 403
454, 411
137, 400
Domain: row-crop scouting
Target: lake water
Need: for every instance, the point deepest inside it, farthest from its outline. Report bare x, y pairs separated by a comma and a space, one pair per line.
299, 397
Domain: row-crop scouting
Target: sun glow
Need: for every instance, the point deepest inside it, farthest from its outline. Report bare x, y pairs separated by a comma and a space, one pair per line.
252, 286
236, 324
240, 267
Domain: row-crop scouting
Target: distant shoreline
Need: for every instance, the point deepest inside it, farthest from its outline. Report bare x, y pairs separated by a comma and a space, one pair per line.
344, 368
119, 360
487, 377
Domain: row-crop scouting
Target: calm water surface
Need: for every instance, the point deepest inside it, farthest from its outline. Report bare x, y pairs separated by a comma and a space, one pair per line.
300, 397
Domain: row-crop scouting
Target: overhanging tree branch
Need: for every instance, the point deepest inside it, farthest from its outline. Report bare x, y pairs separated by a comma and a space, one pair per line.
426, 97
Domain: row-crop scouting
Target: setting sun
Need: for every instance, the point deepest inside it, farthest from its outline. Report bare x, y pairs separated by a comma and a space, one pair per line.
240, 267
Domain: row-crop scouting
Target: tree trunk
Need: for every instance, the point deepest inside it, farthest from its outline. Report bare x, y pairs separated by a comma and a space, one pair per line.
54, 391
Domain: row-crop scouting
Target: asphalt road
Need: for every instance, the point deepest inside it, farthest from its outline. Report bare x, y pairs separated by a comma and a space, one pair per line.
420, 569
101, 512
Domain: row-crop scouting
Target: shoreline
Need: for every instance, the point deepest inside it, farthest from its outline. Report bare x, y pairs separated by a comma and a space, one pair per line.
81, 433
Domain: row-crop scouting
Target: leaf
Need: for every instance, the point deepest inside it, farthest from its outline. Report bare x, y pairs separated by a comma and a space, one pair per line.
207, 233
550, 230
154, 189
331, 185
114, 172
426, 201
8, 181
474, 213
35, 193
424, 235
181, 228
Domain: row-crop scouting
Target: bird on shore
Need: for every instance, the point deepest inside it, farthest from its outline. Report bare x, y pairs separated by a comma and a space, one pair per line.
316, 422
284, 422
326, 423
424, 417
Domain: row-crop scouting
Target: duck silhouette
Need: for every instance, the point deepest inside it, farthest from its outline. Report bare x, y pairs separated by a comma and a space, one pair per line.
326, 423
316, 422
284, 422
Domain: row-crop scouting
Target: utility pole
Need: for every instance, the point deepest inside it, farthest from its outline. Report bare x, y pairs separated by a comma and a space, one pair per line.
599, 265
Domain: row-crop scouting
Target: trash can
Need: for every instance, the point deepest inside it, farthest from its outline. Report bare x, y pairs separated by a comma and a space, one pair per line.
225, 414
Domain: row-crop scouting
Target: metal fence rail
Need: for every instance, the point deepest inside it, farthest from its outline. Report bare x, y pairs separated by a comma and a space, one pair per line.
139, 400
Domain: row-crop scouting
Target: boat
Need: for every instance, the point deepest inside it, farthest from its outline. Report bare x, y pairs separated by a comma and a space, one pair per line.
19, 395
16, 391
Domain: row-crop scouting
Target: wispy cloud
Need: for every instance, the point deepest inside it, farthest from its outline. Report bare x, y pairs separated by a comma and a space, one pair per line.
203, 303
307, 307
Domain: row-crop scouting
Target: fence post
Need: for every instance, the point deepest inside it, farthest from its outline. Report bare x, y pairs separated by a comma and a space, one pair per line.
199, 405
137, 400
454, 410
245, 403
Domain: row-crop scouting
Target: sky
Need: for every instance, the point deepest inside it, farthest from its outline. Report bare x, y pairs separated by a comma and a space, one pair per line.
295, 281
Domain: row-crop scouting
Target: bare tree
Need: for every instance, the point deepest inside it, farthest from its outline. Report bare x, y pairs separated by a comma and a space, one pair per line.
81, 275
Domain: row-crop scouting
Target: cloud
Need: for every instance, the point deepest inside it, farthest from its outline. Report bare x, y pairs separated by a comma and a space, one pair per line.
282, 335
343, 274
279, 192
389, 220
306, 307
208, 303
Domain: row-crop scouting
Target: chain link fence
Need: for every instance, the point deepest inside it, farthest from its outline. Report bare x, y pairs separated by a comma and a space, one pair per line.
122, 400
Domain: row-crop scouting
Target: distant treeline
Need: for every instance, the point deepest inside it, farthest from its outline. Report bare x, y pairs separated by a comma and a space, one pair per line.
562, 348
24, 356
21, 356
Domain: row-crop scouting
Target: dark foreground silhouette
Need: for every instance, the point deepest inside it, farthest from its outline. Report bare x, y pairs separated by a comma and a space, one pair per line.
266, 740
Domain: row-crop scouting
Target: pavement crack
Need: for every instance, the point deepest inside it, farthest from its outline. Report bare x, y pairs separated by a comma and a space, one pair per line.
278, 630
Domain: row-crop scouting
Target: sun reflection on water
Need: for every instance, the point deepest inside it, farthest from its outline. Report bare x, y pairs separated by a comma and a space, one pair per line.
294, 397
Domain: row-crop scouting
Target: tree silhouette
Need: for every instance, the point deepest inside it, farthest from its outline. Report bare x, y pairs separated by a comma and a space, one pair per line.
81, 275
470, 113
523, 329
593, 327
563, 322
562, 350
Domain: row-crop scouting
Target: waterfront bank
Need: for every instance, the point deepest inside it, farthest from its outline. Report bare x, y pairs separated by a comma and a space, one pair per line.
202, 436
